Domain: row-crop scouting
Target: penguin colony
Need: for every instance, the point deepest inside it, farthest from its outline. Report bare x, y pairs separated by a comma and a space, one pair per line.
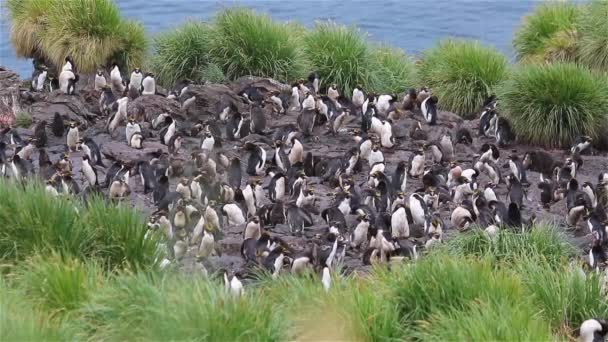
265, 187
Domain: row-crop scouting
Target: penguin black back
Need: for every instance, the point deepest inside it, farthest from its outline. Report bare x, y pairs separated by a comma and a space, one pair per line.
58, 126
40, 134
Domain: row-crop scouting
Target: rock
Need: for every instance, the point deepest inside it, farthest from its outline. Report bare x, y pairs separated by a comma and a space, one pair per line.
120, 151
264, 84
70, 107
8, 79
152, 105
211, 99
90, 98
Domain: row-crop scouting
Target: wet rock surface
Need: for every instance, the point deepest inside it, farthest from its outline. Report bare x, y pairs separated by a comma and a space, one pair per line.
322, 144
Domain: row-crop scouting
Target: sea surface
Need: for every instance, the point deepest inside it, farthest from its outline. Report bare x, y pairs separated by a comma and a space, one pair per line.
410, 25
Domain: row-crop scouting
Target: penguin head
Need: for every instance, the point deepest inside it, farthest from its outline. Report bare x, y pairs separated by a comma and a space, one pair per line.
136, 70
184, 181
72, 124
278, 143
85, 157
255, 219
150, 75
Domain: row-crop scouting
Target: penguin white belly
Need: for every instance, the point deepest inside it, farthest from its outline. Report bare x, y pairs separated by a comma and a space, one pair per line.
416, 210
100, 82
149, 86
279, 188
358, 98
208, 143
376, 126
259, 169
296, 153
399, 224
64, 79
365, 149
40, 81
235, 216
360, 234
387, 135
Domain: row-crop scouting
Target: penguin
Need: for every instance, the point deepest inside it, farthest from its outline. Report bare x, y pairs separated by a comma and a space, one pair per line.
513, 216
131, 128
485, 121
582, 142
309, 103
100, 80
601, 190
277, 188
280, 158
399, 223
40, 134
306, 122
359, 235
384, 103
233, 213
489, 152
137, 141
409, 100
447, 146
333, 93
417, 133
257, 159
547, 191
67, 82
294, 101
515, 190
418, 208
175, 143
73, 137
375, 156
38, 78
18, 168
167, 133
517, 168
436, 152
91, 149
119, 116
116, 79
58, 126
296, 152
417, 164
463, 136
539, 161
429, 110
399, 178
313, 82
386, 136
253, 229
119, 189
462, 217
575, 203
593, 330
107, 100
89, 171
504, 134
358, 97
26, 152
136, 80
257, 124
589, 191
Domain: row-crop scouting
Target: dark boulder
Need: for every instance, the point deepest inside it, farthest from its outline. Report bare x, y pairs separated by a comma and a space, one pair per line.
151, 106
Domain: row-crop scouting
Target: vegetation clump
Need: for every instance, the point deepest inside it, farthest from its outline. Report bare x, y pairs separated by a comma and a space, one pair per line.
551, 104
462, 74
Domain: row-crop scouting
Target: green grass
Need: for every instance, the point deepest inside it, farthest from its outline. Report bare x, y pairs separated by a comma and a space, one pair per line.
341, 55
544, 244
551, 104
179, 308
19, 321
58, 285
134, 45
246, 43
538, 37
23, 119
462, 74
35, 223
29, 21
91, 31
181, 53
594, 42
394, 71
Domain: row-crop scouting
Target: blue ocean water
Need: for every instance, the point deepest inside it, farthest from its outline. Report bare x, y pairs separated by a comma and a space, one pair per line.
410, 25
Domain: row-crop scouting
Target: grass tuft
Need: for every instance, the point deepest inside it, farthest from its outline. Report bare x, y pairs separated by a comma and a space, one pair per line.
340, 55
246, 43
133, 46
394, 71
58, 285
551, 104
181, 53
23, 120
87, 30
545, 29
29, 21
462, 74
594, 42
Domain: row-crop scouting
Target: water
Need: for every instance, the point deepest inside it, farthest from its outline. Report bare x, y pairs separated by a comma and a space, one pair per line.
410, 25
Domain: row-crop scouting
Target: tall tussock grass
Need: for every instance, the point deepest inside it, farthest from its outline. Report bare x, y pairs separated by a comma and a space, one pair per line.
90, 31
593, 45
36, 223
462, 74
246, 43
541, 30
551, 104
340, 55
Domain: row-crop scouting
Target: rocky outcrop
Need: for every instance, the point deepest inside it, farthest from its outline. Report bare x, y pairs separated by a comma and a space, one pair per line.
8, 79
152, 105
70, 107
211, 99
264, 84
118, 150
